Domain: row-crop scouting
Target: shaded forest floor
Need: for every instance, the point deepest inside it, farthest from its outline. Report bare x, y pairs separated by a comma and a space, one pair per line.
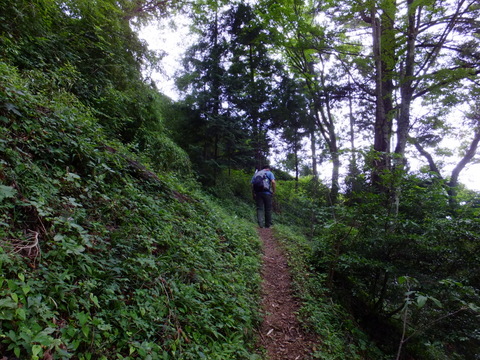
281, 334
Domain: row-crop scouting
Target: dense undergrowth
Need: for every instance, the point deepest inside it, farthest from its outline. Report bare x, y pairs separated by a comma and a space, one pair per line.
108, 252
339, 333
384, 285
103, 256
374, 284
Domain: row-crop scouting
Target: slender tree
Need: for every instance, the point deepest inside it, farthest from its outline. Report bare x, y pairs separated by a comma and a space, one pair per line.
252, 76
229, 78
411, 56
467, 151
203, 79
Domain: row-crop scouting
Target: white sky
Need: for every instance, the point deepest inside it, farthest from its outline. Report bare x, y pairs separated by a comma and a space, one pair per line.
160, 37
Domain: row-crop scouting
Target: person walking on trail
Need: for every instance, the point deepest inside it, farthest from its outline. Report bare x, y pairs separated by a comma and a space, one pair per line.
263, 188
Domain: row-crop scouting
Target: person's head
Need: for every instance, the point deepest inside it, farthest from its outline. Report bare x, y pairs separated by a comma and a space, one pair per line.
266, 167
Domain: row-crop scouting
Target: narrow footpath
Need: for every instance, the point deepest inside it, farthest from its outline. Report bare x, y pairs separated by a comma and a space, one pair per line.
281, 334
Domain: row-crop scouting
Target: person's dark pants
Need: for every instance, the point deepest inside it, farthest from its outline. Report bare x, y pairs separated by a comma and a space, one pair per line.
264, 209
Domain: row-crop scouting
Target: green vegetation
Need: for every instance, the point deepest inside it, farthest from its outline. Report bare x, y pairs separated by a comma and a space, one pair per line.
103, 258
126, 219
377, 284
341, 337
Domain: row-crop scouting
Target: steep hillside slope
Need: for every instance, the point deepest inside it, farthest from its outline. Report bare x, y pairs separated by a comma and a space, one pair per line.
102, 258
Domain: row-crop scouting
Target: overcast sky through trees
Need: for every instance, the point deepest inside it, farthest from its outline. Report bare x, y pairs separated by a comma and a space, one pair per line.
174, 43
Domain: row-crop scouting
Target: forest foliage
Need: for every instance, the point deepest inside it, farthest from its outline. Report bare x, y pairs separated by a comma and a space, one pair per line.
109, 250
102, 257
126, 218
370, 86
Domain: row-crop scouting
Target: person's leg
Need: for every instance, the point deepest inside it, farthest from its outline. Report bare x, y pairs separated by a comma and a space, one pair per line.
268, 210
260, 209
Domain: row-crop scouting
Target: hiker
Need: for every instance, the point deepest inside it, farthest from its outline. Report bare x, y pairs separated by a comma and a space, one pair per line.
263, 188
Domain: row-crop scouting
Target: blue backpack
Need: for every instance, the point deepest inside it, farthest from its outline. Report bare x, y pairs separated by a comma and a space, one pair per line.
261, 182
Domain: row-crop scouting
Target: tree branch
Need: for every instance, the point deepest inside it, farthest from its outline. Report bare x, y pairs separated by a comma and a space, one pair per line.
472, 150
431, 163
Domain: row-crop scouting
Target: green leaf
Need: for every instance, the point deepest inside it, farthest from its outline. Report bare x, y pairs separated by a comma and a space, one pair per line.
11, 107
36, 349
421, 300
44, 338
14, 297
72, 177
21, 314
436, 301
58, 237
26, 289
94, 299
85, 330
82, 318
7, 192
474, 307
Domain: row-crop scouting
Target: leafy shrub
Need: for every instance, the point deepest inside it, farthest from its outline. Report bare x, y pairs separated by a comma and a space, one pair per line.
368, 247
300, 203
341, 336
232, 184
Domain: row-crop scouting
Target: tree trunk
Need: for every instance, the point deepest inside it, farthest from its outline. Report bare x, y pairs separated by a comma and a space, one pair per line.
256, 127
335, 187
406, 88
353, 168
453, 183
383, 33
313, 147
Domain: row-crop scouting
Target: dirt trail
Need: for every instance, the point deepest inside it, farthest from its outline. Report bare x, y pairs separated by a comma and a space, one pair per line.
281, 333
